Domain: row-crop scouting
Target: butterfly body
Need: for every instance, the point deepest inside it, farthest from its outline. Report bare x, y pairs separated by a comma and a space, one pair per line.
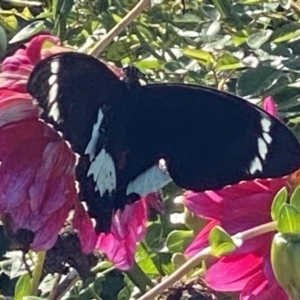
121, 130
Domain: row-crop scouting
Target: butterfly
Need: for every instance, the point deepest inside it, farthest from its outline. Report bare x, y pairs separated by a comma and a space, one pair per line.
134, 139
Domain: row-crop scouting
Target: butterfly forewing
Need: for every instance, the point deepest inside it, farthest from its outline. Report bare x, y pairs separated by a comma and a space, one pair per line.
84, 100
71, 88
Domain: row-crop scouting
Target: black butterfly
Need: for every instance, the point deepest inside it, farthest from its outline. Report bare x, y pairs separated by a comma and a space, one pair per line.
132, 139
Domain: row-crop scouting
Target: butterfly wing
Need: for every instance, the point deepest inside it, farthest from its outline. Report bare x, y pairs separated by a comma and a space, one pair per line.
210, 139
85, 100
71, 88
207, 138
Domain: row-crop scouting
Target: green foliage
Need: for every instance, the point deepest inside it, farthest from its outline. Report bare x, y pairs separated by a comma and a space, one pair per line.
22, 287
289, 219
247, 47
280, 199
221, 242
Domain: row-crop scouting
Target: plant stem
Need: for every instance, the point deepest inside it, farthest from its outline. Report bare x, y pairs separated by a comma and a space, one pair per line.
202, 255
37, 272
118, 28
55, 287
23, 3
66, 285
139, 278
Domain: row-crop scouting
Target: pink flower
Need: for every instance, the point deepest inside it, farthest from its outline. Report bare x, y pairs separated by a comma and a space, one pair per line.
37, 177
237, 208
270, 106
128, 228
37, 172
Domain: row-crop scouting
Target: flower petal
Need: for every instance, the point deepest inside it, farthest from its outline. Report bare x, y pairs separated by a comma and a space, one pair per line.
232, 273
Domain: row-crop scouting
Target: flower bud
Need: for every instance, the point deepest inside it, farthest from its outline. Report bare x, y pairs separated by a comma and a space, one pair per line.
285, 258
270, 106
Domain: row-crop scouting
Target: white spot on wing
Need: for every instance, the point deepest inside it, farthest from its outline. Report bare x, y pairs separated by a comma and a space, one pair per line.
54, 66
263, 143
52, 79
91, 147
104, 173
148, 182
53, 93
267, 137
255, 165
262, 148
265, 124
54, 112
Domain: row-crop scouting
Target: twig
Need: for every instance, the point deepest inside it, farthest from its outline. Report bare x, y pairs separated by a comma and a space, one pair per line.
66, 285
23, 3
202, 255
179, 273
295, 7
223, 81
53, 292
118, 28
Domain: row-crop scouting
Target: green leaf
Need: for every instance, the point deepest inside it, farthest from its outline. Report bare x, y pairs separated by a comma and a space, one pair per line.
280, 199
256, 40
149, 64
293, 63
256, 81
295, 198
124, 294
28, 31
66, 8
145, 260
202, 56
286, 32
9, 22
118, 51
178, 259
228, 62
179, 240
3, 41
33, 298
289, 219
22, 288
224, 7
286, 4
56, 6
163, 263
221, 242
154, 238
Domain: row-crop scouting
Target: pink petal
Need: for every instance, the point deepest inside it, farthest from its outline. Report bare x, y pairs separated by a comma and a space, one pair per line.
15, 107
17, 173
128, 228
258, 288
233, 204
84, 225
201, 241
37, 173
120, 252
233, 272
270, 106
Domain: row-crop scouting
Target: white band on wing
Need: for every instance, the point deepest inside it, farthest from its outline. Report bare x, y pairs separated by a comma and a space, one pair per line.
104, 173
150, 181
